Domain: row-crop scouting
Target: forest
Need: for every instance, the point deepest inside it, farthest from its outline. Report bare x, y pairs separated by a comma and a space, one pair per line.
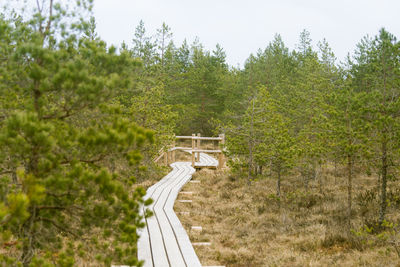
81, 122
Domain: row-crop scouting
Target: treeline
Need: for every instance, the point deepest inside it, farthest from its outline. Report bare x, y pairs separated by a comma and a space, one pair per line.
301, 113
193, 81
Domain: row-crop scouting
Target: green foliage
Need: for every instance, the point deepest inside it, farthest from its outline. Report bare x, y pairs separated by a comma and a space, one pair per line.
299, 111
189, 79
58, 137
80, 122
376, 70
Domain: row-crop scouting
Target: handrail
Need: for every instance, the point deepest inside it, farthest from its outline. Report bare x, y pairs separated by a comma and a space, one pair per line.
159, 157
183, 137
161, 154
179, 148
206, 151
194, 150
200, 138
169, 152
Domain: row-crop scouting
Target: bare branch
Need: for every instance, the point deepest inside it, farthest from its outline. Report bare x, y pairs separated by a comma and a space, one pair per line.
58, 195
51, 208
89, 161
40, 12
38, 6
61, 228
6, 172
50, 17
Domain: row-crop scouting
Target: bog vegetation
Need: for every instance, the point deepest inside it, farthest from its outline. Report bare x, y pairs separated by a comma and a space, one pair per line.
81, 121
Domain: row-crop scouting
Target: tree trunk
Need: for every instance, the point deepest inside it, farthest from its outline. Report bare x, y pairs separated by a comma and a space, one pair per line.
384, 170
336, 171
278, 184
319, 175
251, 144
349, 189
28, 233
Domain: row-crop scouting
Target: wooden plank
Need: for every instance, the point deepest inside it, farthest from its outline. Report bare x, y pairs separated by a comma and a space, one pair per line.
156, 241
201, 138
185, 201
164, 241
186, 193
188, 149
197, 228
180, 148
208, 138
145, 251
164, 250
187, 249
171, 247
198, 244
183, 137
207, 161
206, 151
178, 250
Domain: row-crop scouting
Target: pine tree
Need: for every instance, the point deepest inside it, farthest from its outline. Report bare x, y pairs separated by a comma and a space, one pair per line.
57, 139
143, 46
348, 133
376, 70
164, 35
278, 147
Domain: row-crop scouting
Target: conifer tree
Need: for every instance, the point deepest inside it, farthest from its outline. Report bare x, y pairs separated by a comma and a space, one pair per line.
278, 147
376, 71
61, 196
348, 133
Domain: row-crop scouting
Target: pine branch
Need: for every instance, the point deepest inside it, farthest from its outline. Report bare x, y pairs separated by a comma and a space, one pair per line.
51, 208
6, 172
89, 161
61, 228
58, 195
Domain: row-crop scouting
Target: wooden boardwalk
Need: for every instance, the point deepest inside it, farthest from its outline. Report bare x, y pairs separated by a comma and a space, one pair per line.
164, 242
205, 161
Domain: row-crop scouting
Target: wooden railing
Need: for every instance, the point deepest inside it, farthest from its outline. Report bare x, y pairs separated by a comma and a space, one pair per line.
170, 154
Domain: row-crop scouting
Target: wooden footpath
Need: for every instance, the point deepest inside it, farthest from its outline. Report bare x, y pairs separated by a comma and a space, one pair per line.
164, 242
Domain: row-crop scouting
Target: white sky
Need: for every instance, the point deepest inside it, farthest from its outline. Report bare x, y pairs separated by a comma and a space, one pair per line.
242, 27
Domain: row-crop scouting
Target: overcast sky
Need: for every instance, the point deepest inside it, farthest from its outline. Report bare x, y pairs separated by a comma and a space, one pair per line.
242, 27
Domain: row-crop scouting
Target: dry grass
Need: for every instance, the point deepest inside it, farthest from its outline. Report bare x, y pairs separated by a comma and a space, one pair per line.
248, 226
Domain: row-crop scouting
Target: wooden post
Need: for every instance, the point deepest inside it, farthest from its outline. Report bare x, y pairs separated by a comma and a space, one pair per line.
198, 147
165, 158
223, 139
221, 158
193, 147
173, 151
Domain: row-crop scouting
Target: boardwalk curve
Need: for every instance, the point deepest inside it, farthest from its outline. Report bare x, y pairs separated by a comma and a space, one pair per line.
164, 242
